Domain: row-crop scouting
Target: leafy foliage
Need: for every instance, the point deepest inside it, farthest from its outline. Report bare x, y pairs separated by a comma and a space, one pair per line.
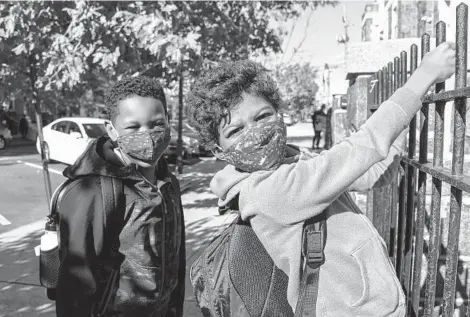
64, 49
297, 85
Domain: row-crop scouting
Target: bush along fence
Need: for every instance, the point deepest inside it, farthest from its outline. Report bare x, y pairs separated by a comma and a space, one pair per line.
399, 211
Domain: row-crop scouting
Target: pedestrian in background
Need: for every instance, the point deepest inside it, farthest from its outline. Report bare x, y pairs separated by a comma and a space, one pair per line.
319, 126
24, 127
329, 129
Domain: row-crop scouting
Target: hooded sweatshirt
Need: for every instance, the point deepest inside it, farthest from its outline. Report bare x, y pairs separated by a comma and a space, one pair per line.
146, 267
357, 277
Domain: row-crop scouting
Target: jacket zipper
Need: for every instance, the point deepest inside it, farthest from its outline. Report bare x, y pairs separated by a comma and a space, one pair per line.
176, 227
163, 243
159, 192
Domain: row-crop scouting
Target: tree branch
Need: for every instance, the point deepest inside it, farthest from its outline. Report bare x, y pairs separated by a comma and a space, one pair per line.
224, 16
304, 37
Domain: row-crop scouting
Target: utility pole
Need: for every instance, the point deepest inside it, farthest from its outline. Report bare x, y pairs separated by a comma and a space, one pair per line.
179, 144
38, 112
344, 38
326, 84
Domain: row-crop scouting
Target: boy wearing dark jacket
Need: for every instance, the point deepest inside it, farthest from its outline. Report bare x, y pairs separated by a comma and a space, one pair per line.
141, 272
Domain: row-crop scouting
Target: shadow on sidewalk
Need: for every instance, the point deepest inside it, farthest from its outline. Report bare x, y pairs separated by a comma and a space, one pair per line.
22, 295
201, 232
20, 291
202, 203
197, 178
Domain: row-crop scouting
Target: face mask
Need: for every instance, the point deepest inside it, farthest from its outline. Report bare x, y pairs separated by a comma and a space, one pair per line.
261, 147
145, 146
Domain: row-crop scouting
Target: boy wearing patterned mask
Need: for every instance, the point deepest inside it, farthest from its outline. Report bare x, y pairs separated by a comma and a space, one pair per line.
235, 107
143, 272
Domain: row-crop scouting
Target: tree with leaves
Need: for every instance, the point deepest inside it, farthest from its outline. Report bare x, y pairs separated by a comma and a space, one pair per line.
79, 46
69, 49
297, 85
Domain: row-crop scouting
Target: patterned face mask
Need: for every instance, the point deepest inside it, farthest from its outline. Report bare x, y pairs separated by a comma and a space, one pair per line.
261, 147
145, 146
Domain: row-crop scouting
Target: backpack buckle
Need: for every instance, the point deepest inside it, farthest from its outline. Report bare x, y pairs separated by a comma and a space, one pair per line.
312, 246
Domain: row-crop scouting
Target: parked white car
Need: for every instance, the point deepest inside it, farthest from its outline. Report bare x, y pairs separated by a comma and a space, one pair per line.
67, 138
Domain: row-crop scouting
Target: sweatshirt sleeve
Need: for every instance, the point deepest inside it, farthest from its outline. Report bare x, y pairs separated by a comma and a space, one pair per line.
382, 173
307, 187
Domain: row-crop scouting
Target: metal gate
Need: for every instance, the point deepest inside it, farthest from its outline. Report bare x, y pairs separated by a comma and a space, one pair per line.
399, 211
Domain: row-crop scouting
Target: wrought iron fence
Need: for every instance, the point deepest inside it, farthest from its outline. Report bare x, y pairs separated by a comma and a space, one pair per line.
399, 211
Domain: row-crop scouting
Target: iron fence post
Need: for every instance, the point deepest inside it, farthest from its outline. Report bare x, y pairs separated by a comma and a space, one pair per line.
460, 104
434, 225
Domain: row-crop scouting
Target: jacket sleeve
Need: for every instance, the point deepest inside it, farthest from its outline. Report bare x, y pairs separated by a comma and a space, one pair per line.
383, 172
309, 186
175, 307
80, 235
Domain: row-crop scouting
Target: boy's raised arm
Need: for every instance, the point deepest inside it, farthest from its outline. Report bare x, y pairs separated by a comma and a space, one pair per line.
382, 173
317, 182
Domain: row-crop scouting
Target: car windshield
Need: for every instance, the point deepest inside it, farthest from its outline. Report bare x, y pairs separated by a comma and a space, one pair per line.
94, 130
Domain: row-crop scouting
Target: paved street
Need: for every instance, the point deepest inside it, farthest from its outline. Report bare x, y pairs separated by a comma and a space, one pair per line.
23, 208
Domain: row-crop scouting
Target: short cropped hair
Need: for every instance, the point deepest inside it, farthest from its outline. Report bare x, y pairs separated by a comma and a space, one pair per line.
219, 89
133, 86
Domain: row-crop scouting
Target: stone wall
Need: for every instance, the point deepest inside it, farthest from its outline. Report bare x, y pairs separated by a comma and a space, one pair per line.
367, 30
359, 100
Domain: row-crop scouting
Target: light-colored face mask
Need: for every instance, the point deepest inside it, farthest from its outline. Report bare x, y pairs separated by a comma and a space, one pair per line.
260, 147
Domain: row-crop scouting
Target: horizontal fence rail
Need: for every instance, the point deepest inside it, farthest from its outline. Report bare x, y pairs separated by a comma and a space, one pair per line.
399, 210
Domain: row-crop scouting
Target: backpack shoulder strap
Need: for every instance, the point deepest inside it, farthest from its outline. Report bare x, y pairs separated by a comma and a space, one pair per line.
176, 185
56, 197
112, 190
313, 243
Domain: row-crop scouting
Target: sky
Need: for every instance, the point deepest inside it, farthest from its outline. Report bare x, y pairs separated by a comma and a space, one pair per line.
325, 24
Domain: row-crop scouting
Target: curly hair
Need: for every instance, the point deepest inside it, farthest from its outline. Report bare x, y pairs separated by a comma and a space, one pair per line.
219, 89
133, 86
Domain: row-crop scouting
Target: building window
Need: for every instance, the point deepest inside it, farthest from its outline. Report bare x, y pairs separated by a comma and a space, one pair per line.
389, 22
367, 30
395, 26
422, 18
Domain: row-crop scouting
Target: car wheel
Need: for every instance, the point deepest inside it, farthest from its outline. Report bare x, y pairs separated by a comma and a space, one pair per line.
3, 143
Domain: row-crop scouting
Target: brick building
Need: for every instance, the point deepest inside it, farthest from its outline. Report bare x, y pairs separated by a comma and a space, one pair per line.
370, 27
395, 19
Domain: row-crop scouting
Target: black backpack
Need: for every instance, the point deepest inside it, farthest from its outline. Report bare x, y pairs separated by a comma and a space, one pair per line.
49, 261
236, 277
